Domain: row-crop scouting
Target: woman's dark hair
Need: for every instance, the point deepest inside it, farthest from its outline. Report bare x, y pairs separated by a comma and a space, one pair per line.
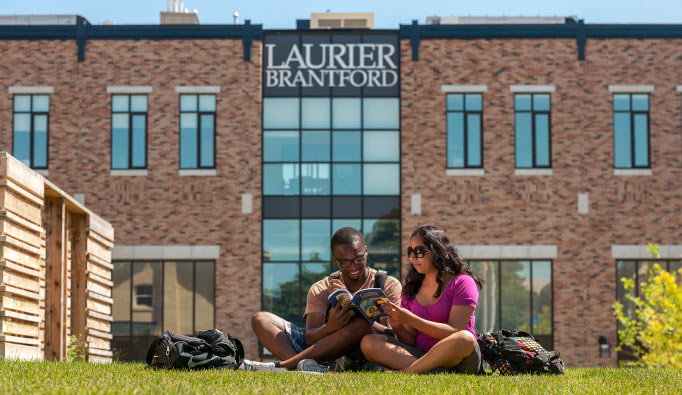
445, 258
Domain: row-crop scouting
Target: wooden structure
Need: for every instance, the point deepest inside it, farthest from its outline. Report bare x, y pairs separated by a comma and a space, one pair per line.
55, 270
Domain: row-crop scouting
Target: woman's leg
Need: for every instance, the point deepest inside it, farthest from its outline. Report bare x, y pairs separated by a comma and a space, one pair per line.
446, 353
377, 348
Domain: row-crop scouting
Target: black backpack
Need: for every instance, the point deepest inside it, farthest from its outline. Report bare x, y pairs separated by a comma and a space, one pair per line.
210, 349
512, 352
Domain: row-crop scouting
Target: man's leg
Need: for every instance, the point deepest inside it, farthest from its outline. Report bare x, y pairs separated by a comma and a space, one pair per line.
270, 330
332, 346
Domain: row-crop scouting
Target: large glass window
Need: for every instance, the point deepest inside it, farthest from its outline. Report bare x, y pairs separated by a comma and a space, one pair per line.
151, 297
128, 131
197, 131
532, 127
631, 130
464, 130
516, 295
30, 140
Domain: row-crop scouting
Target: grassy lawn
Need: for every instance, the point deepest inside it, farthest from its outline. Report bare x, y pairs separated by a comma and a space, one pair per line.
52, 377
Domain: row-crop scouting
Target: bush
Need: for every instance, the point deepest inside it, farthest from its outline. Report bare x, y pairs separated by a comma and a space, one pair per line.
654, 333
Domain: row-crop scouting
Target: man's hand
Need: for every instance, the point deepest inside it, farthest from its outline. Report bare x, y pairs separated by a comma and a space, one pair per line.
338, 317
335, 285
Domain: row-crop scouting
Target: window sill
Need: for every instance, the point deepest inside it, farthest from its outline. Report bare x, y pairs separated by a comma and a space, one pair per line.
129, 172
198, 172
42, 172
533, 172
632, 172
465, 172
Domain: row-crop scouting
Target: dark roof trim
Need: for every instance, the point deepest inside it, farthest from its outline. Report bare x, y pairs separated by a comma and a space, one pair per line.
578, 31
83, 31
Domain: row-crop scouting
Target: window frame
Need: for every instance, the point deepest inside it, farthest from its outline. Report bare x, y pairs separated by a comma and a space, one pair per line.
632, 128
131, 114
465, 113
199, 115
533, 133
32, 115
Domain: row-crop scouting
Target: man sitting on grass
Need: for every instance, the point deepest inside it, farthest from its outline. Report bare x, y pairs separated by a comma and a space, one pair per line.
330, 333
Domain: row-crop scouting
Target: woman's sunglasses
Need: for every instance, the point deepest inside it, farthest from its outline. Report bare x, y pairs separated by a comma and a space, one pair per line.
418, 251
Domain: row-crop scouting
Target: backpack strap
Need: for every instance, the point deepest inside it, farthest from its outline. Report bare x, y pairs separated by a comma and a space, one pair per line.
380, 279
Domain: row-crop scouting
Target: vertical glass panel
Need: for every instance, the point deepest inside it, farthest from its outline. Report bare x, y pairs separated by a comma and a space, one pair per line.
315, 113
524, 144
138, 103
625, 269
542, 298
346, 113
640, 102
347, 179
280, 146
621, 102
188, 102
315, 240
381, 179
473, 102
204, 288
383, 113
542, 140
346, 147
207, 141
622, 144
40, 141
641, 140
139, 143
381, 146
488, 298
310, 274
522, 102
119, 103
119, 141
22, 103
188, 141
342, 223
515, 295
207, 103
280, 240
280, 179
455, 102
178, 289
315, 146
22, 138
455, 124
474, 140
382, 237
121, 295
315, 179
643, 268
146, 298
41, 103
280, 113
541, 102
282, 291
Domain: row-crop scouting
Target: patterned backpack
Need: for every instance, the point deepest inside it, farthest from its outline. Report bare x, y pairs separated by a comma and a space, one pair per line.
513, 352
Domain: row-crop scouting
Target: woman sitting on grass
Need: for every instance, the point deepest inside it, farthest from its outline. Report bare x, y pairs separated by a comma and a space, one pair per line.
435, 320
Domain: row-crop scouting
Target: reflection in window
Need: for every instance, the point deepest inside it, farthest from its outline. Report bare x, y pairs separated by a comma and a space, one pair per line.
197, 131
281, 291
381, 179
346, 147
381, 113
315, 179
315, 146
346, 112
280, 178
464, 147
30, 134
347, 179
631, 130
146, 315
128, 131
178, 279
315, 240
381, 146
315, 113
280, 146
280, 240
532, 126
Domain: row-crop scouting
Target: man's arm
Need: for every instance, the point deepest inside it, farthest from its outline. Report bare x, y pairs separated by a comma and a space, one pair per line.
316, 329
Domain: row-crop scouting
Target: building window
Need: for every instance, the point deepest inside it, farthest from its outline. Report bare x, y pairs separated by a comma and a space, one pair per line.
631, 130
128, 131
464, 142
532, 127
31, 114
197, 131
637, 272
516, 294
178, 296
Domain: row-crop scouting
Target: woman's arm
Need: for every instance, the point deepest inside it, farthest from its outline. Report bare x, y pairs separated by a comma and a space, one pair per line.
457, 320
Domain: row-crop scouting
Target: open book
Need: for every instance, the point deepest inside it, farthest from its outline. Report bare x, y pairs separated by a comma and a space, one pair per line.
365, 302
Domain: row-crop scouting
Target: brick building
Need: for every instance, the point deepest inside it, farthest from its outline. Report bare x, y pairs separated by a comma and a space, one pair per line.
226, 155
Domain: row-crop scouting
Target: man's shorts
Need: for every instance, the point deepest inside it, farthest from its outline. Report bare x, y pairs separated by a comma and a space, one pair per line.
296, 335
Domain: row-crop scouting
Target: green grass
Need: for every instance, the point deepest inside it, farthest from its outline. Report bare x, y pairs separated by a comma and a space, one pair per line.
54, 377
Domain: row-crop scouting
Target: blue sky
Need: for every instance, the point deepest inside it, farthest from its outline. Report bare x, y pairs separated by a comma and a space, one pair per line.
276, 14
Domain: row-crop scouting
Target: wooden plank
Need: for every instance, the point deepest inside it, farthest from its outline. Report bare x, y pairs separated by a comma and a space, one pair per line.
19, 280
98, 225
100, 289
99, 359
11, 253
103, 335
99, 307
99, 250
20, 191
100, 316
101, 280
11, 202
12, 168
33, 250
16, 327
19, 232
20, 352
99, 325
100, 261
22, 292
55, 305
98, 297
98, 343
19, 316
103, 353
99, 270
20, 340
79, 249
107, 243
20, 268
15, 302
26, 224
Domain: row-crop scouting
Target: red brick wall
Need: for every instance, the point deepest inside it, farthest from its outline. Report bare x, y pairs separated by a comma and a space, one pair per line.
163, 207
500, 208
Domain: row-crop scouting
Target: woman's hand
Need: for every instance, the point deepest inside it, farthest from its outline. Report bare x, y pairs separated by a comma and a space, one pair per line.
397, 315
